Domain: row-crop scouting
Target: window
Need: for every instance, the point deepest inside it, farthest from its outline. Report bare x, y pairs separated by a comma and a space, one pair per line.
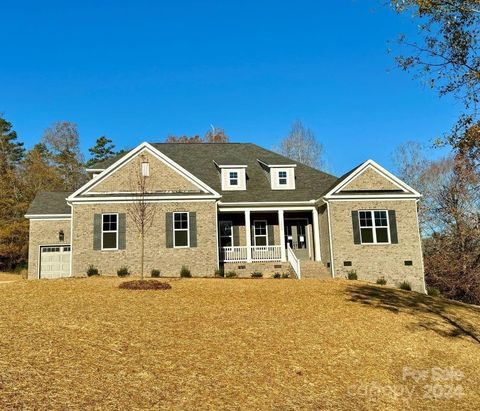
374, 227
260, 236
282, 178
180, 230
109, 231
226, 234
233, 178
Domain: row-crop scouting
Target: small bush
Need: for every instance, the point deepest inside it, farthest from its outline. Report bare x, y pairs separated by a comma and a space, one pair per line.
277, 275
219, 272
381, 281
155, 273
257, 274
185, 272
92, 270
123, 271
285, 275
405, 285
231, 274
352, 275
145, 285
434, 292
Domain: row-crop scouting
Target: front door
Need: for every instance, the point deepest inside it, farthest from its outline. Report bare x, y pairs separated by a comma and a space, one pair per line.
296, 234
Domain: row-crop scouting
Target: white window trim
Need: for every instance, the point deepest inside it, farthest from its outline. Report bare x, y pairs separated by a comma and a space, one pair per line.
110, 231
241, 179
182, 229
231, 231
374, 227
262, 235
275, 178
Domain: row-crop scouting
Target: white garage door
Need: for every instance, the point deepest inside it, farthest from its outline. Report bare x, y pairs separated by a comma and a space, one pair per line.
55, 261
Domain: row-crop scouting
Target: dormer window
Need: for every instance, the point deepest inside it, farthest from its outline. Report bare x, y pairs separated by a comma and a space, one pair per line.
233, 178
232, 175
282, 178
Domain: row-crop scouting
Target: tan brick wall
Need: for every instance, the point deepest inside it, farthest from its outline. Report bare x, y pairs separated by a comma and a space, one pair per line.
324, 234
162, 178
374, 261
202, 260
44, 232
370, 179
266, 268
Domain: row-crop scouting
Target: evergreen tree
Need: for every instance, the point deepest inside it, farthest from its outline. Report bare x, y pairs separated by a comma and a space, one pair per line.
11, 150
101, 151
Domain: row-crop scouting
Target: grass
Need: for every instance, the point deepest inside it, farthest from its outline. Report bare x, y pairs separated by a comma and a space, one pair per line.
219, 344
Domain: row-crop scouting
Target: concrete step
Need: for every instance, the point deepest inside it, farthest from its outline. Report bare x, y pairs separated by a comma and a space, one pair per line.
314, 269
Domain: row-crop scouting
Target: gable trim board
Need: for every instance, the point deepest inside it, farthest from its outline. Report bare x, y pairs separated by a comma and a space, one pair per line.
370, 164
132, 154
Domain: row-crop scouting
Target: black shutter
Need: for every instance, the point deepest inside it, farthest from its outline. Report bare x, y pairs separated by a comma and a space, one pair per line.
97, 231
356, 228
169, 229
122, 229
236, 235
392, 221
193, 229
271, 236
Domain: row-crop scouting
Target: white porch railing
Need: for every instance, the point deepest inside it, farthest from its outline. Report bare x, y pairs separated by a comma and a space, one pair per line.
294, 261
259, 253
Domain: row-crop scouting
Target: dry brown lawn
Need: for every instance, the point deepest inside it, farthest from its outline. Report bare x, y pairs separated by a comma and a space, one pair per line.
234, 344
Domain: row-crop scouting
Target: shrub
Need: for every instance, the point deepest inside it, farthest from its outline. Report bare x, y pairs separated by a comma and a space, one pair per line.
277, 275
352, 275
434, 292
155, 273
219, 272
145, 285
405, 285
231, 274
257, 274
285, 275
185, 272
123, 271
92, 270
381, 281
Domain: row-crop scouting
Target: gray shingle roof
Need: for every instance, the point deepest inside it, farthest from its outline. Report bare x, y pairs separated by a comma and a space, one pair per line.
47, 203
199, 160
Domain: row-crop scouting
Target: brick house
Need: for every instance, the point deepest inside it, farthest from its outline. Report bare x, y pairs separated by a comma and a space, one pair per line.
236, 206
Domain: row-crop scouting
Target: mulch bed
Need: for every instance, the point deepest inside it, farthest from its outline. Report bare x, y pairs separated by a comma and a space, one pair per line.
145, 285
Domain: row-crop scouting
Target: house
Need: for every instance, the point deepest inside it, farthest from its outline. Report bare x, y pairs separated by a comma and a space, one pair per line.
236, 206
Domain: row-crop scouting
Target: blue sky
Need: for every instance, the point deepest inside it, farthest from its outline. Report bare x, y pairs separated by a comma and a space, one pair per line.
141, 70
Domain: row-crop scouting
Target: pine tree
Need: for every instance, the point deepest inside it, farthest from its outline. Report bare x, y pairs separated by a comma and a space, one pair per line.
11, 150
101, 151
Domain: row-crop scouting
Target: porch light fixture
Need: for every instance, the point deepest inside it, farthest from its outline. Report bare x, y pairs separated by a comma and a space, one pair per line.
61, 236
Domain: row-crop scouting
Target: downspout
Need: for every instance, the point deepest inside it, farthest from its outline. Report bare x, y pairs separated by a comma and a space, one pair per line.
216, 234
421, 248
332, 264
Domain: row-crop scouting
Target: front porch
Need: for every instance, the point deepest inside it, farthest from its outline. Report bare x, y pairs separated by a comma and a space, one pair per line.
253, 235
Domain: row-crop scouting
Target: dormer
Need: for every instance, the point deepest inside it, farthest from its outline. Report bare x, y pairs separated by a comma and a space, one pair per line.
232, 176
281, 176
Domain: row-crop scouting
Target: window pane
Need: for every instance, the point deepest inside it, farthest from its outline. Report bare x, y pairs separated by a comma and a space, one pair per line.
381, 218
181, 221
367, 235
365, 218
260, 241
382, 235
109, 240
181, 238
260, 228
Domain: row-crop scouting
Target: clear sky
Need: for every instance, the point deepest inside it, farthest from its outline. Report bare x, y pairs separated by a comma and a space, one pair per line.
141, 70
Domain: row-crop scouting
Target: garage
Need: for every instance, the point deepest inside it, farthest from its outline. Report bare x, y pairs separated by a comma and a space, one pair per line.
54, 261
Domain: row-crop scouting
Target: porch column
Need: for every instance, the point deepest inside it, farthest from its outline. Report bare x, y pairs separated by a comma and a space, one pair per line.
248, 235
316, 235
281, 224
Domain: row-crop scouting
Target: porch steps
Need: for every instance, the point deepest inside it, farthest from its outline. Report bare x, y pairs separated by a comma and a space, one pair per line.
314, 270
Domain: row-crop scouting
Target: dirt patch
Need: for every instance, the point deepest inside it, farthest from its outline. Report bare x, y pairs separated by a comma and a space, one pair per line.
145, 285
